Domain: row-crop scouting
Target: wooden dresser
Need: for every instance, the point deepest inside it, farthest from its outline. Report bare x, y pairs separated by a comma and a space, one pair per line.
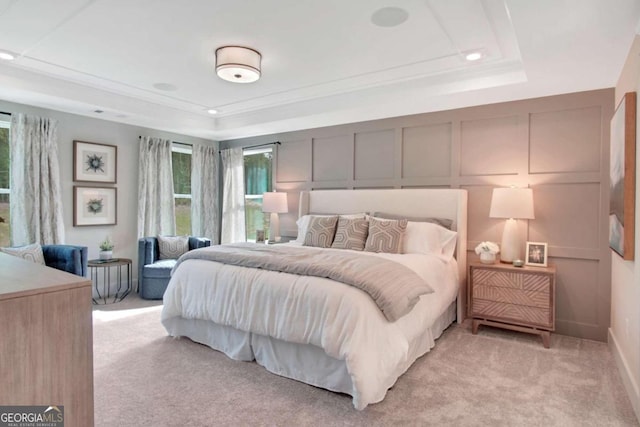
516, 298
46, 339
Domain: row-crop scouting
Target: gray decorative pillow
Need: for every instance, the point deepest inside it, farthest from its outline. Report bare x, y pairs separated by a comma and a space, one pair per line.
321, 231
385, 235
443, 222
31, 253
171, 247
351, 233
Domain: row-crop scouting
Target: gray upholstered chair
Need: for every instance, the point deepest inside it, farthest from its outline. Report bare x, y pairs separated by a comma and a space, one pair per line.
154, 273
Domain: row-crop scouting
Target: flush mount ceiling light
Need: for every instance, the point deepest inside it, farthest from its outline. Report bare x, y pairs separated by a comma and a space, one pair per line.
238, 64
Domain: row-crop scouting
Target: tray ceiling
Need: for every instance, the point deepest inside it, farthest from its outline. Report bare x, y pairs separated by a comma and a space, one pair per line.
151, 62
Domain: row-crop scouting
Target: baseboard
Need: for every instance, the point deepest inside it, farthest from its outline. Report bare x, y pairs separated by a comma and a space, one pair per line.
629, 382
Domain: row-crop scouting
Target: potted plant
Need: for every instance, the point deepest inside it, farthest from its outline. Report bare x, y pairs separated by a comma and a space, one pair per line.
487, 252
106, 249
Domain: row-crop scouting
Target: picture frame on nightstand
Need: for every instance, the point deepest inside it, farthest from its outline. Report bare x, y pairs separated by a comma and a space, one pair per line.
536, 254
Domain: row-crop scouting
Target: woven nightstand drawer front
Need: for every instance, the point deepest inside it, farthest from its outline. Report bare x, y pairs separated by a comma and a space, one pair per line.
512, 296
516, 313
508, 279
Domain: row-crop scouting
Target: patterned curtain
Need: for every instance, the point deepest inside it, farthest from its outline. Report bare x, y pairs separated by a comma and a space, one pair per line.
156, 207
36, 196
233, 225
204, 192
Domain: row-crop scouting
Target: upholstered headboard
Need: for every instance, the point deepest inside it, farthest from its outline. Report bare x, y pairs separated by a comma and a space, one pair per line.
438, 203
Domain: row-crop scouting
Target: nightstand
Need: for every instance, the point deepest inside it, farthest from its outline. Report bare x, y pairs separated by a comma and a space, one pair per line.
516, 298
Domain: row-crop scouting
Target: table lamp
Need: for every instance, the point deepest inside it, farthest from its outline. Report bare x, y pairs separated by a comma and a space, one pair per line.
274, 203
511, 204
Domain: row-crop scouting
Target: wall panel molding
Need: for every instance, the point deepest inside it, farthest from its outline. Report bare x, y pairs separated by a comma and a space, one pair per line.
557, 145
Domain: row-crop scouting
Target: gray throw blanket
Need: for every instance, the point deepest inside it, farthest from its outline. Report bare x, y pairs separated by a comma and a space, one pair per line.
394, 287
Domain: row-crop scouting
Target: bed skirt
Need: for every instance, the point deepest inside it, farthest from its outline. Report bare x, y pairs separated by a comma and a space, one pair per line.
303, 362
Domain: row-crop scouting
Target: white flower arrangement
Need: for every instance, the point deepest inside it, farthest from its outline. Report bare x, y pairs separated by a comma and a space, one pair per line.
487, 247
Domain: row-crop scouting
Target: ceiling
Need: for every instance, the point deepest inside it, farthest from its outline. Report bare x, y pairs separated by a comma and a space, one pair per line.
324, 62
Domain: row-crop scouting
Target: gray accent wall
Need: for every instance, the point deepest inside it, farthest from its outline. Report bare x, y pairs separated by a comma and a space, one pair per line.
557, 145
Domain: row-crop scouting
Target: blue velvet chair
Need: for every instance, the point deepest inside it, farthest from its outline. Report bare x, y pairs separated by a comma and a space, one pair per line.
70, 258
154, 273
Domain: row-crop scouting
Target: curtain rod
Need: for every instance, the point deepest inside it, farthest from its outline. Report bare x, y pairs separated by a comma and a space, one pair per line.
174, 142
5, 113
258, 145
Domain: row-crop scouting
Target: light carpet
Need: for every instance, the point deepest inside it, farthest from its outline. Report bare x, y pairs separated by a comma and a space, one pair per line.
497, 378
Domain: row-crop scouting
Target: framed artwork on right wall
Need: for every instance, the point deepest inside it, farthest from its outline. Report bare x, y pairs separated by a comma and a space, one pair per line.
622, 175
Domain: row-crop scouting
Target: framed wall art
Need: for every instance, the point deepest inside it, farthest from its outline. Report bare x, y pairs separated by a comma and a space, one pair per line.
94, 162
622, 176
536, 254
94, 206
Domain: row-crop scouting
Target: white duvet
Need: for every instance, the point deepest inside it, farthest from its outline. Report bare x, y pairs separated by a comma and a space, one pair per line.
340, 319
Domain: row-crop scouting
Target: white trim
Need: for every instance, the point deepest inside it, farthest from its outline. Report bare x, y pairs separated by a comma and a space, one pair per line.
181, 149
254, 151
630, 384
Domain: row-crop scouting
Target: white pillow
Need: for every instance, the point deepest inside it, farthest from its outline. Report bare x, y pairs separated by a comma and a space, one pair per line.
428, 238
31, 253
303, 224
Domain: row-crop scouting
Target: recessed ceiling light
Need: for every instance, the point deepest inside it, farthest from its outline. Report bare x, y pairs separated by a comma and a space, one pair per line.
473, 56
389, 17
165, 86
7, 56
212, 111
98, 111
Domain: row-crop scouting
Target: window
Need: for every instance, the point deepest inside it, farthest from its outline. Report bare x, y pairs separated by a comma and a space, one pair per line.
257, 180
5, 174
181, 162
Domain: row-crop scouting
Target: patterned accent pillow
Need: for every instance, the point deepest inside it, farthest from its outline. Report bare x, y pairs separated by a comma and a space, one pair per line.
321, 231
303, 223
171, 247
31, 253
351, 234
385, 235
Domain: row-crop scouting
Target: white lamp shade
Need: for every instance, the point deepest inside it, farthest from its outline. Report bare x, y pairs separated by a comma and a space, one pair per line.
274, 202
238, 64
516, 203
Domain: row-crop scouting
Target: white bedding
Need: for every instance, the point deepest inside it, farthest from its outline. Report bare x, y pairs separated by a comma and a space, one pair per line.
340, 319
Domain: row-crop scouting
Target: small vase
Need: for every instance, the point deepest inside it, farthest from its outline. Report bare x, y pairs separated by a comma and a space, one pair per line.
487, 258
106, 254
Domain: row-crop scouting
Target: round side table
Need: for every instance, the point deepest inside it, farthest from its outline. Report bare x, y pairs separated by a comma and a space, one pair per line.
105, 267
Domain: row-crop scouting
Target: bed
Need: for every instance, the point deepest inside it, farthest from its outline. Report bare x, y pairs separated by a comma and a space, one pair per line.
317, 330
